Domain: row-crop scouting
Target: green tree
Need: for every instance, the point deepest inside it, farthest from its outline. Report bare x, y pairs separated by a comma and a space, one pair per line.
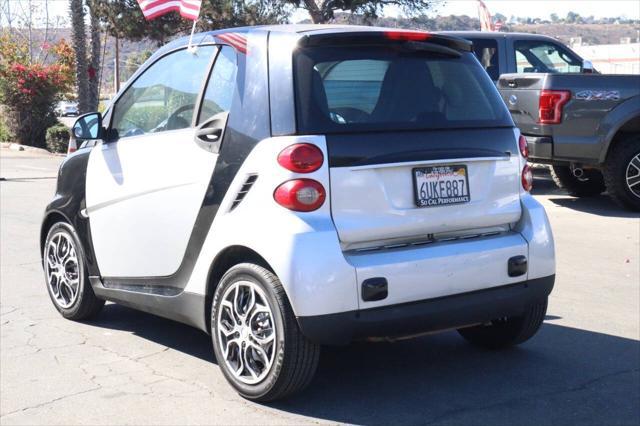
572, 18
322, 11
79, 40
124, 19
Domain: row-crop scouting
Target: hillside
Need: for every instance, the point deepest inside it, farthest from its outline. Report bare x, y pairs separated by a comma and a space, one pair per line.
131, 53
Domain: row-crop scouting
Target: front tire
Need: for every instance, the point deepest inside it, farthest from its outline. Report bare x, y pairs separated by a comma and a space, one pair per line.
256, 338
622, 172
590, 184
66, 275
506, 332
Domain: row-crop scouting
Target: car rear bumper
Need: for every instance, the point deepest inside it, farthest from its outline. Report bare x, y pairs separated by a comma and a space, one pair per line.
422, 316
540, 148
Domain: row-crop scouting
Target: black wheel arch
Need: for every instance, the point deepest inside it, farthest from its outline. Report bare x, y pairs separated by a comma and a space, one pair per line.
68, 204
225, 260
627, 127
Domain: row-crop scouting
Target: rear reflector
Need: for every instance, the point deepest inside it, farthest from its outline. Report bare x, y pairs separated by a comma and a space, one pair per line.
527, 178
407, 35
301, 158
524, 146
302, 195
550, 105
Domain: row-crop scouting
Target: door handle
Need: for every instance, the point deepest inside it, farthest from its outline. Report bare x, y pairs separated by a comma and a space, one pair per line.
209, 134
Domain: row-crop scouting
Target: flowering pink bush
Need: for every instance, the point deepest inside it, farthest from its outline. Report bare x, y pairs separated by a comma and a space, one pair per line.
29, 91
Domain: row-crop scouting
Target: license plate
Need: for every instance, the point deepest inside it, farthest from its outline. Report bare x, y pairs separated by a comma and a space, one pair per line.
441, 185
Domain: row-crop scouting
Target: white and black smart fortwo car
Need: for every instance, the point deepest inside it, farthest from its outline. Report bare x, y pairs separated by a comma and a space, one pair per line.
286, 187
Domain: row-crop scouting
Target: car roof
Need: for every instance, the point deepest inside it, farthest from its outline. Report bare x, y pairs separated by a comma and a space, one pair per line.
495, 35
306, 29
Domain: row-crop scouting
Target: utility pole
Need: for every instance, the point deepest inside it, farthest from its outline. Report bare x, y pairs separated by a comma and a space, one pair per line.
116, 68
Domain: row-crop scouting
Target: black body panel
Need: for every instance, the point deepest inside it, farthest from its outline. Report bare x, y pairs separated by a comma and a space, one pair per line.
184, 307
69, 201
441, 313
361, 149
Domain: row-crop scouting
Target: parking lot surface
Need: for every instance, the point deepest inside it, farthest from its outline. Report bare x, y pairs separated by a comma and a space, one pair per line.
128, 367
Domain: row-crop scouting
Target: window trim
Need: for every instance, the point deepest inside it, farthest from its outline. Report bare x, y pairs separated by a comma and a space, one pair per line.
203, 89
141, 72
558, 47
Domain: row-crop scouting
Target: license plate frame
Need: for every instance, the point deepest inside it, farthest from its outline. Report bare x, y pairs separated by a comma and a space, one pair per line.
421, 178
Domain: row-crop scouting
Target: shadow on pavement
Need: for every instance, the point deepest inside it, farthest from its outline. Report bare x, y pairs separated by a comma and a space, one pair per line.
601, 205
562, 376
159, 330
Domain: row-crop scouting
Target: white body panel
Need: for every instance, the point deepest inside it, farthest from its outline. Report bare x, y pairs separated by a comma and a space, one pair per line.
377, 202
143, 194
302, 248
440, 269
306, 254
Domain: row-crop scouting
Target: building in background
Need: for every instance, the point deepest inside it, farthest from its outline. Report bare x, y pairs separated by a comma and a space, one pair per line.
622, 58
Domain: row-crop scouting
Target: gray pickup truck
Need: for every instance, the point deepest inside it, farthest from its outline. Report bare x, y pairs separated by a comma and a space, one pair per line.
585, 125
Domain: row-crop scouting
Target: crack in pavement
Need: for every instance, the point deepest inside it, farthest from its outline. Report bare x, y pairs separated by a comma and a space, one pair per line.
577, 388
44, 404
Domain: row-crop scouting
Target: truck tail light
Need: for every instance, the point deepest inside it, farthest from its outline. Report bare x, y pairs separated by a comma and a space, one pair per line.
301, 158
524, 147
527, 178
301, 195
550, 105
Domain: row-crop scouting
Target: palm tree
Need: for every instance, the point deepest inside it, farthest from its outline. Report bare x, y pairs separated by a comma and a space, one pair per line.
79, 38
94, 81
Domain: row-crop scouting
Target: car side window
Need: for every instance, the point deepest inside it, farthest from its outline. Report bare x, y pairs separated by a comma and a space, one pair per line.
164, 97
221, 85
537, 56
486, 50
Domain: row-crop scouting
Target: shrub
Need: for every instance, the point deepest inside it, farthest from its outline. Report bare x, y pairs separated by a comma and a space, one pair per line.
5, 136
58, 138
30, 90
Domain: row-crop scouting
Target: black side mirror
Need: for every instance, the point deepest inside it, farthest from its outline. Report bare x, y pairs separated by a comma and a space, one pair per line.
88, 126
587, 67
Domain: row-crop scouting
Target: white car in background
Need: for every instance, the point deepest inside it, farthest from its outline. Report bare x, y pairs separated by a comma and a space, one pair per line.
66, 108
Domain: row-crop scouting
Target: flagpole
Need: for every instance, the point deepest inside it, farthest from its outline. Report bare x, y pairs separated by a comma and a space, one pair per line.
192, 48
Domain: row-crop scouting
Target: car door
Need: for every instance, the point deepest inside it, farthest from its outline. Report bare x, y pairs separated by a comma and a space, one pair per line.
146, 187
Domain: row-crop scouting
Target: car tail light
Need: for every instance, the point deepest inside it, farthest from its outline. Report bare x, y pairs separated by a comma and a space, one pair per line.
301, 158
407, 35
524, 146
550, 105
302, 195
527, 178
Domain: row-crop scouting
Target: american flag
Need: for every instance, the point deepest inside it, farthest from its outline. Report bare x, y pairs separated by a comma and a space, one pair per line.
189, 9
486, 21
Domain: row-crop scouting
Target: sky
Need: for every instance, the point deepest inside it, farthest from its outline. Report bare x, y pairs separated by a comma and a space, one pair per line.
526, 8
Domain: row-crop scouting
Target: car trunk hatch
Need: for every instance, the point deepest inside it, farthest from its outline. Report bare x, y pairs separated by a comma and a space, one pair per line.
376, 185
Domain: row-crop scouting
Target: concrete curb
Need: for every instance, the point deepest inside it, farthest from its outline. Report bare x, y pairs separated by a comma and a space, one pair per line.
18, 147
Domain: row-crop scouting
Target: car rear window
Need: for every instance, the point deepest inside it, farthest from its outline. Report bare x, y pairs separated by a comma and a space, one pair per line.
349, 89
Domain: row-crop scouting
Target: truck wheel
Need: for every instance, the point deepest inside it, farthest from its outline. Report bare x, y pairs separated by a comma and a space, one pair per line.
509, 331
622, 172
590, 184
256, 339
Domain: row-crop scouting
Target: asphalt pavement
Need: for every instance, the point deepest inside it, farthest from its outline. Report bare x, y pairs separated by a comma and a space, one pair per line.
128, 367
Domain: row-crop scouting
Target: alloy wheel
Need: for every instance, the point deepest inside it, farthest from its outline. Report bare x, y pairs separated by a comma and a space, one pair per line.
633, 175
62, 269
246, 332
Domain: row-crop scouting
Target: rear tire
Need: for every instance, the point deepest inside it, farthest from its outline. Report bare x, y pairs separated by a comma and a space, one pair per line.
263, 372
622, 169
66, 274
592, 183
506, 332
